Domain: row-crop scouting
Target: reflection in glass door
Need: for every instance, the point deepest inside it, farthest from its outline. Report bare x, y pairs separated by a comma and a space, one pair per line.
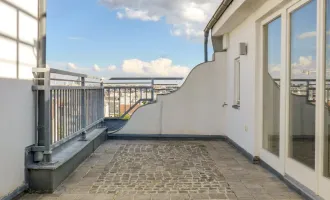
303, 84
271, 86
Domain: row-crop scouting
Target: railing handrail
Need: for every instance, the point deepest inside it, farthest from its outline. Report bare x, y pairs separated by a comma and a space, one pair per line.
128, 87
66, 73
146, 78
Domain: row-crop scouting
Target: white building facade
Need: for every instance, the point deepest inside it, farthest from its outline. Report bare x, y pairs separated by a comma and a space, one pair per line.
283, 113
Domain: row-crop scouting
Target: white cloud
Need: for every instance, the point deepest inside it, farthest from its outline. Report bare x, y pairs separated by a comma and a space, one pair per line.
72, 66
137, 14
310, 34
75, 38
187, 17
96, 68
130, 67
307, 35
158, 67
303, 61
112, 68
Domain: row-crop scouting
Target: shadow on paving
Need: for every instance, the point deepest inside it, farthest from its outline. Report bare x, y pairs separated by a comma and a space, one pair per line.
168, 170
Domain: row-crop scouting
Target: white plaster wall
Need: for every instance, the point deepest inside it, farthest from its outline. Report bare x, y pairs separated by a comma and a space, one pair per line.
241, 122
16, 102
16, 131
196, 108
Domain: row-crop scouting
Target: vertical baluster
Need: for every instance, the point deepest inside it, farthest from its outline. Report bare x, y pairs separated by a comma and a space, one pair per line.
62, 114
52, 115
125, 99
108, 102
71, 118
119, 101
58, 116
74, 111
114, 102
65, 113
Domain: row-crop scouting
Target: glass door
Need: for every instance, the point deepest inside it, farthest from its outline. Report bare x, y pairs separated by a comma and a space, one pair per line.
271, 30
302, 40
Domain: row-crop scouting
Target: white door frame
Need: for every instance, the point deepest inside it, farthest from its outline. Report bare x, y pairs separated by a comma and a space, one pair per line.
265, 155
313, 179
323, 182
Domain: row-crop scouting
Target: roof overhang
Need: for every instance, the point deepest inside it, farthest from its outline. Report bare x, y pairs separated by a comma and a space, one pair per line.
230, 14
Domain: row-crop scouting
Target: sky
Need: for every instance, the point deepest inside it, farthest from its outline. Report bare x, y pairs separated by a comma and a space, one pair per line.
112, 38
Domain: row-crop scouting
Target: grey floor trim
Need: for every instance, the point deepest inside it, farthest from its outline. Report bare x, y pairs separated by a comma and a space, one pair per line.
300, 189
16, 193
240, 149
290, 182
165, 137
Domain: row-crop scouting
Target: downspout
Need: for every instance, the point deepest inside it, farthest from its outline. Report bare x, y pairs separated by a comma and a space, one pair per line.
218, 13
206, 39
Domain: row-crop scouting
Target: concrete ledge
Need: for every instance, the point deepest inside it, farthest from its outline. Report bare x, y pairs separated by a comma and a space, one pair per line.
45, 178
165, 136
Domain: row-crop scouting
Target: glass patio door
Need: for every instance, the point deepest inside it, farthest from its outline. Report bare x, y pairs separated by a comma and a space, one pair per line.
301, 98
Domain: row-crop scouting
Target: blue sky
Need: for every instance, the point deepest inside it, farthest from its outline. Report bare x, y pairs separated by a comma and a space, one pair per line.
94, 32
303, 43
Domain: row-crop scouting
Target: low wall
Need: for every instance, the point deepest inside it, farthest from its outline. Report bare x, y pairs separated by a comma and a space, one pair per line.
196, 108
16, 132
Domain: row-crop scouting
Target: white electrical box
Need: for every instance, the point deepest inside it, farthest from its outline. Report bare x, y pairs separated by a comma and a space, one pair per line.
225, 41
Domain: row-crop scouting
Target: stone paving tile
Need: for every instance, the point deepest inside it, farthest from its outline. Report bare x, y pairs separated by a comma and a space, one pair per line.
168, 170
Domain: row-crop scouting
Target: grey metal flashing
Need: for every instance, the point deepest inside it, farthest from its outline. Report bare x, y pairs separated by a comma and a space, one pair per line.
165, 137
16, 193
218, 13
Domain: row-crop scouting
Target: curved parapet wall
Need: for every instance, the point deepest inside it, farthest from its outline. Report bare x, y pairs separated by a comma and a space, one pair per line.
196, 108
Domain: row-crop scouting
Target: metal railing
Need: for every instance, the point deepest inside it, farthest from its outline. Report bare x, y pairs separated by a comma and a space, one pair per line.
68, 105
121, 99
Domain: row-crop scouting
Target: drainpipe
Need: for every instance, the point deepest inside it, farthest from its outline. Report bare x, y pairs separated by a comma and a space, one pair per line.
43, 134
206, 39
218, 13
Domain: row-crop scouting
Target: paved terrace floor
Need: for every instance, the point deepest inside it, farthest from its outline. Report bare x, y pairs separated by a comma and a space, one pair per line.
168, 170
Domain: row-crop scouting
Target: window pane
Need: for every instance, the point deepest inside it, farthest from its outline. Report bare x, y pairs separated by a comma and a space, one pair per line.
8, 60
271, 87
327, 97
302, 89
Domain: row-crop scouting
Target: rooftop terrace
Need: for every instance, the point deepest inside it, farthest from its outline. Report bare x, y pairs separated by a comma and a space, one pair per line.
168, 169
